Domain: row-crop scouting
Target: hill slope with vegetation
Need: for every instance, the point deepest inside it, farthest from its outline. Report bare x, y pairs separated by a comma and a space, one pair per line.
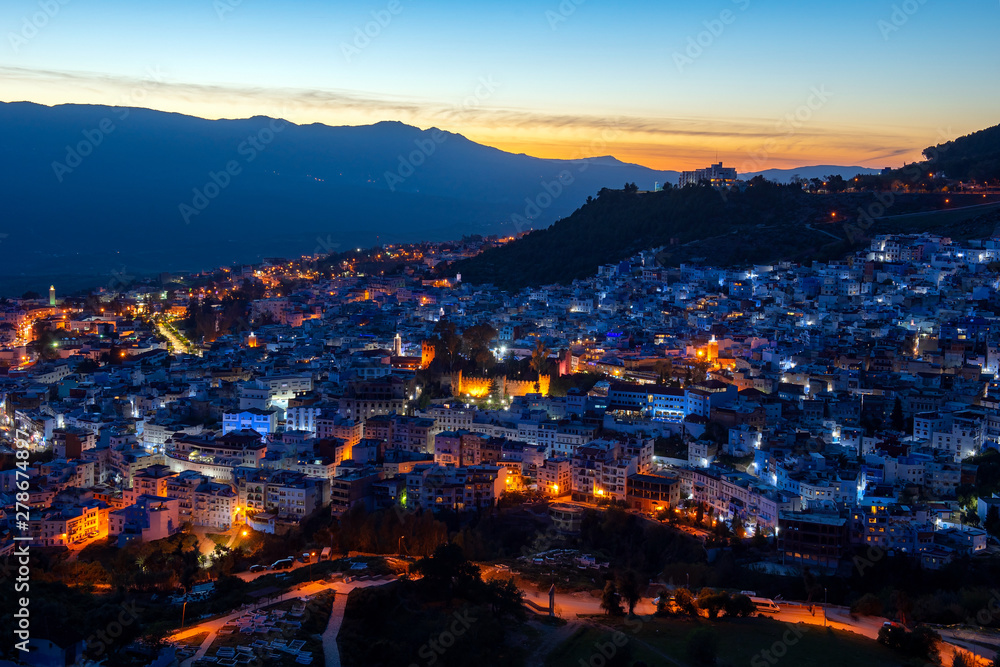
973, 157
765, 223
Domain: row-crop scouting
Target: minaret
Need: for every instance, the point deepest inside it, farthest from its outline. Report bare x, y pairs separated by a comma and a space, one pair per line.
52, 295
397, 345
713, 349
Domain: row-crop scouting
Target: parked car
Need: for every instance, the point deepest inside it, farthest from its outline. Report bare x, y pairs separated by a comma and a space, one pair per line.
258, 568
283, 564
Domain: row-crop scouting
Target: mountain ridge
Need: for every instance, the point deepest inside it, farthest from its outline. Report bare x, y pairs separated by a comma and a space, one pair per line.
120, 203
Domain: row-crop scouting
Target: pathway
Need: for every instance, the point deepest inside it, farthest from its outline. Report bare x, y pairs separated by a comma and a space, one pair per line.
307, 588
331, 652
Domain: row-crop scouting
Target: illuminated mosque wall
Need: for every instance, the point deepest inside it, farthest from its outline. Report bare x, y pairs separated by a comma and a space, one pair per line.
478, 387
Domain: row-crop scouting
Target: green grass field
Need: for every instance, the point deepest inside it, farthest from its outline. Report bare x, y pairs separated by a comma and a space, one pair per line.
664, 642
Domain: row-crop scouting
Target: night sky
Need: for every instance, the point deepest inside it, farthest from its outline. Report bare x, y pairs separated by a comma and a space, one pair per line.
670, 85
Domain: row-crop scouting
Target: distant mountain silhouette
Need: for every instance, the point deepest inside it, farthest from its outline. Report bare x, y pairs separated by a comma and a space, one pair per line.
95, 194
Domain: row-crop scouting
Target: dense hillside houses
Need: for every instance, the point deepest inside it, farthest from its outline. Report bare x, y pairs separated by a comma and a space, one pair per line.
833, 406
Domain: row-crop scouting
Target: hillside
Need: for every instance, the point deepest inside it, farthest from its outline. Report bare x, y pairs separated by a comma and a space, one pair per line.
95, 189
766, 223
973, 157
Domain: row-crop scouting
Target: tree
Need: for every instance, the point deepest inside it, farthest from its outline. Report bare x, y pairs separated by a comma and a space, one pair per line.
992, 524
923, 643
506, 599
665, 370
45, 342
610, 601
960, 660
898, 421
712, 602
759, 542
477, 340
663, 605
716, 432
893, 636
903, 606
540, 358
447, 343
448, 572
740, 605
867, 605
739, 530
686, 602
630, 590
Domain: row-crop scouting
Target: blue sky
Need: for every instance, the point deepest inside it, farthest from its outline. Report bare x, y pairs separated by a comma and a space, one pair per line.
564, 79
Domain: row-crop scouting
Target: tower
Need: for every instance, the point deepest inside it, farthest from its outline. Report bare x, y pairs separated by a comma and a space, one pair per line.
52, 295
397, 345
